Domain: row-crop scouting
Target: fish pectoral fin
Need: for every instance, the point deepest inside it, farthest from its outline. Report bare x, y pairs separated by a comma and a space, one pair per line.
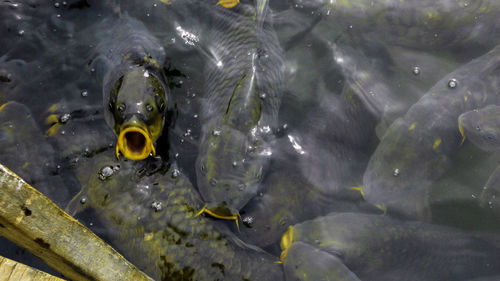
232, 216
286, 241
358, 188
228, 3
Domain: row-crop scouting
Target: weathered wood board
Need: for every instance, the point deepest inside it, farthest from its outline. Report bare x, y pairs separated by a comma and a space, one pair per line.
32, 221
13, 271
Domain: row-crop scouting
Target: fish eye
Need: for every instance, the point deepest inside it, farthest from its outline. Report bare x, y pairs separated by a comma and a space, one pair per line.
121, 107
149, 107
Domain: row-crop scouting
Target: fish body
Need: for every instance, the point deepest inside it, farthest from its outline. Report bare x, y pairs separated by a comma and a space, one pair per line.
482, 128
24, 150
242, 91
378, 247
150, 212
135, 96
417, 24
418, 147
307, 263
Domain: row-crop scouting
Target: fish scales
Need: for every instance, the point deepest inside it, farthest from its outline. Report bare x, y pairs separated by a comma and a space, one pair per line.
418, 147
167, 242
243, 89
420, 24
378, 247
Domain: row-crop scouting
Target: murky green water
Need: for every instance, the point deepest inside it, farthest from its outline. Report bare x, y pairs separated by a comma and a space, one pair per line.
369, 96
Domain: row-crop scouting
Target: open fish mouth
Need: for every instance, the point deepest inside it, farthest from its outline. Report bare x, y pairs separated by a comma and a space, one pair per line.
134, 142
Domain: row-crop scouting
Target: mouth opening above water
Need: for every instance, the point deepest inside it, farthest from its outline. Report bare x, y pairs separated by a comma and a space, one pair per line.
136, 142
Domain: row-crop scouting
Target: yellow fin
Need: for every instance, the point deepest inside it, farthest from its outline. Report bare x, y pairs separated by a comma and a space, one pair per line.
360, 189
117, 151
437, 142
461, 130
53, 130
209, 212
412, 126
2, 106
166, 2
52, 109
382, 208
52, 119
228, 3
286, 241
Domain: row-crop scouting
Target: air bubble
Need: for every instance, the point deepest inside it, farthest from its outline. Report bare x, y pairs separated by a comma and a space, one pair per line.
216, 132
106, 172
453, 83
262, 95
57, 4
175, 173
84, 93
416, 70
396, 172
64, 118
20, 32
156, 206
248, 221
83, 200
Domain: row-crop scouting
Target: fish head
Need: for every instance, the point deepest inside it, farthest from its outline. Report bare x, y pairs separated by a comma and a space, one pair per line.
230, 168
482, 127
138, 103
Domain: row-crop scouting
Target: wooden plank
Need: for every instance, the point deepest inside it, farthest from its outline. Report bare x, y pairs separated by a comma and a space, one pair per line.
32, 221
13, 271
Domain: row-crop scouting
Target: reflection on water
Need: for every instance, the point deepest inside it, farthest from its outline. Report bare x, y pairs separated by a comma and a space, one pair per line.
354, 140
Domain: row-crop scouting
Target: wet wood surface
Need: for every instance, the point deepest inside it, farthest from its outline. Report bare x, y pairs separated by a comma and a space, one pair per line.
13, 271
32, 221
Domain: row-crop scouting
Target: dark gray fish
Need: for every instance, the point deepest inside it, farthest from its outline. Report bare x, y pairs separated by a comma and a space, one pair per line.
377, 247
418, 147
482, 128
128, 62
150, 210
421, 24
25, 151
243, 92
307, 263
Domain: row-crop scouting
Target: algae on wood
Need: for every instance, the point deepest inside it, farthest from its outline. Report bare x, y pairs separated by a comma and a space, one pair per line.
13, 271
32, 221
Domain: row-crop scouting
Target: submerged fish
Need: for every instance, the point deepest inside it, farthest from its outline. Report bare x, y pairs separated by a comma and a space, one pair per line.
24, 150
418, 147
150, 210
417, 24
378, 247
135, 95
243, 91
482, 128
306, 263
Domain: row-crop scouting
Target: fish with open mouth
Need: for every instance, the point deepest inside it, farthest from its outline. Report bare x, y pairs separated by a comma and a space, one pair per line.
127, 61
